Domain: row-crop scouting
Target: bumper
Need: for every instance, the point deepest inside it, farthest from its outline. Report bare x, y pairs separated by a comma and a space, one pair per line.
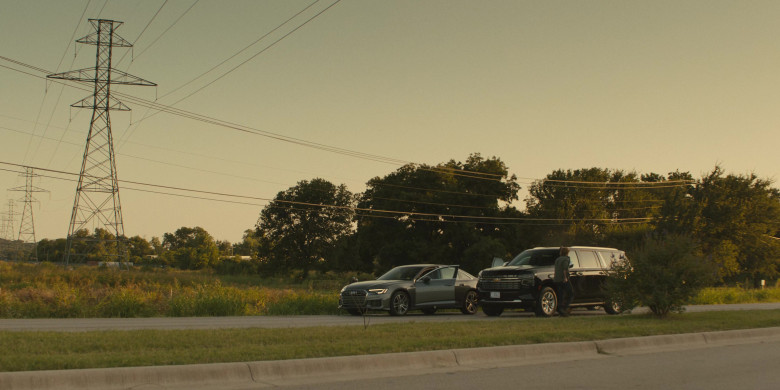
376, 302
507, 299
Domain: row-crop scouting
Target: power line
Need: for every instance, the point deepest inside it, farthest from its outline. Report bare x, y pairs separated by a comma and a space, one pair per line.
166, 30
356, 209
144, 30
352, 153
242, 50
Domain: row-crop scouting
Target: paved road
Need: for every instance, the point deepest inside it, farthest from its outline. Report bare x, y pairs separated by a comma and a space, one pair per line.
745, 366
90, 324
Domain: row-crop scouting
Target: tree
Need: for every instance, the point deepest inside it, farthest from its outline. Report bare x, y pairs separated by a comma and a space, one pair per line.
138, 248
438, 214
664, 274
598, 206
734, 217
248, 246
191, 248
300, 228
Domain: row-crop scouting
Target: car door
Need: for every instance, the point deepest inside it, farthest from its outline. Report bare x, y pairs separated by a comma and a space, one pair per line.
589, 276
436, 287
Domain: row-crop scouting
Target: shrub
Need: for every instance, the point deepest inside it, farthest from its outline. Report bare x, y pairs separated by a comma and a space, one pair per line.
664, 274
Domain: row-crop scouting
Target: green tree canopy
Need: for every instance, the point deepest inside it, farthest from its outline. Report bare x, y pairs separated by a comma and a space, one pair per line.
599, 206
191, 248
734, 218
300, 228
438, 214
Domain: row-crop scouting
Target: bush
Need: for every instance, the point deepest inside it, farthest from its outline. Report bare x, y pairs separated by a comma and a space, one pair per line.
665, 274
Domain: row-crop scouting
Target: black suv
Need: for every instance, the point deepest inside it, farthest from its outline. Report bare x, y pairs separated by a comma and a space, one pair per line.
527, 281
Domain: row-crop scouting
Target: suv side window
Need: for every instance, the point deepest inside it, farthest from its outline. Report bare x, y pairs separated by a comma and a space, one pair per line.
588, 259
574, 259
608, 258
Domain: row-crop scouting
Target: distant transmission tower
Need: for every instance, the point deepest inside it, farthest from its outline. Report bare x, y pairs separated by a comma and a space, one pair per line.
8, 231
97, 194
27, 225
8, 222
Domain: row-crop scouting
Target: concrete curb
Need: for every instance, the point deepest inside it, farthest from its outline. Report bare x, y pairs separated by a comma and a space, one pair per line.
271, 373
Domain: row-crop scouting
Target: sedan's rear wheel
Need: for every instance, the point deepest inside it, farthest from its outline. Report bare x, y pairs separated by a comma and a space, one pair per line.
399, 303
469, 303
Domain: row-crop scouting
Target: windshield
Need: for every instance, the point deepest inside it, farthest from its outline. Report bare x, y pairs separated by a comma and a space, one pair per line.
402, 273
535, 257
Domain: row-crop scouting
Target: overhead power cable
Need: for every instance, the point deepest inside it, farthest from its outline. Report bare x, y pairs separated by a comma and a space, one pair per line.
328, 148
348, 208
144, 30
135, 57
241, 51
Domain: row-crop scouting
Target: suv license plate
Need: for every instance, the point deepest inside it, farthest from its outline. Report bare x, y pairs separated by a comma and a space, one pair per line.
495, 294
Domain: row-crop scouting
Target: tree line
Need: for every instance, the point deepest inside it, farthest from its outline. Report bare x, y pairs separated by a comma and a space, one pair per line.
465, 213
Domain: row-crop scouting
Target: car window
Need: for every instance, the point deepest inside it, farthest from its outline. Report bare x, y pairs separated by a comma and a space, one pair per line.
401, 273
588, 259
607, 258
442, 273
448, 273
536, 257
612, 258
574, 259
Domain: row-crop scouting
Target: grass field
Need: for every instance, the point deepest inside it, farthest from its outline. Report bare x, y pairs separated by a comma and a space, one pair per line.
45, 290
24, 351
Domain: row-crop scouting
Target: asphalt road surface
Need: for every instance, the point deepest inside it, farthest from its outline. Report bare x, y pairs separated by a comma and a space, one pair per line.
93, 324
745, 366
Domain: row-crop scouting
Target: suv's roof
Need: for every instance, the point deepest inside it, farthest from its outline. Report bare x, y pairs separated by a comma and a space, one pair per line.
577, 247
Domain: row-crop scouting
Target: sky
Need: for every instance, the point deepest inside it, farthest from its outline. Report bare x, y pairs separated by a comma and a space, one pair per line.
645, 86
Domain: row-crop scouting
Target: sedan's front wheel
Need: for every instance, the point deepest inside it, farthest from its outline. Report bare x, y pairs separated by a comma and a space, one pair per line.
470, 303
399, 303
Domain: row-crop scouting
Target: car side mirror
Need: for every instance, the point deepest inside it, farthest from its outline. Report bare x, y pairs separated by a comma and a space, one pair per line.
571, 265
426, 279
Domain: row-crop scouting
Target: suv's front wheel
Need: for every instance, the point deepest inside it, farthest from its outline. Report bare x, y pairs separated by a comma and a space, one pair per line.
547, 303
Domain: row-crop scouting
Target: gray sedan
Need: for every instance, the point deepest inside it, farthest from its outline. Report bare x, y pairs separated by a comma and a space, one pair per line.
426, 287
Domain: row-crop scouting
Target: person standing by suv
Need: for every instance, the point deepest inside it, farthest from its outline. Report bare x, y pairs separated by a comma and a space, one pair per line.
562, 282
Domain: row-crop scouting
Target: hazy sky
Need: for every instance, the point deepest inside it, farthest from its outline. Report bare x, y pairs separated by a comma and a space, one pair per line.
650, 86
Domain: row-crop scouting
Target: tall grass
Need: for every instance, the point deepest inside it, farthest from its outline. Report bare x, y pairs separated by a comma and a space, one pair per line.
730, 295
48, 291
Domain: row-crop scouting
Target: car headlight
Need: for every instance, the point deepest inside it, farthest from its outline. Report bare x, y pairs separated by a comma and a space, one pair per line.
377, 291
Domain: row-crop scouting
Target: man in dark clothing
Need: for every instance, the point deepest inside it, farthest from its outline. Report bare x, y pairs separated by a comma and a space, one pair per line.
562, 282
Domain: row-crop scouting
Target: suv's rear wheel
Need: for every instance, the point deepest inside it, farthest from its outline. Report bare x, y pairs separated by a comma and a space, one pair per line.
492, 311
547, 303
612, 307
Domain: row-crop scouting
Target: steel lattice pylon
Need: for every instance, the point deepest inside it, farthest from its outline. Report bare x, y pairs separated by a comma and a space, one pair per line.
97, 194
27, 225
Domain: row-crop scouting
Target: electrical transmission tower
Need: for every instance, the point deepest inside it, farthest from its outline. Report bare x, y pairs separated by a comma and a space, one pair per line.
8, 231
97, 194
27, 225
